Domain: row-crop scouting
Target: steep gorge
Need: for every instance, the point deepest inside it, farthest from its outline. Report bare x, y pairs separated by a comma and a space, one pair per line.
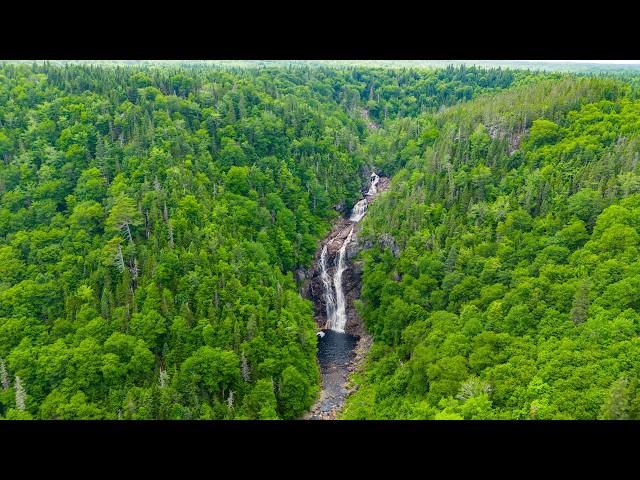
333, 284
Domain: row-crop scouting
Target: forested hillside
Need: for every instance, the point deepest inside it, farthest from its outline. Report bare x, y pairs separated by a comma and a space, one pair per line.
151, 220
503, 280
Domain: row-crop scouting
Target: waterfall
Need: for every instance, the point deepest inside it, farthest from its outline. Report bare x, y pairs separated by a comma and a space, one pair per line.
335, 303
338, 339
329, 299
359, 209
339, 319
373, 188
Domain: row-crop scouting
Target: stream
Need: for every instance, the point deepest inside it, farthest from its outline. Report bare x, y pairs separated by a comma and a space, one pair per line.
342, 342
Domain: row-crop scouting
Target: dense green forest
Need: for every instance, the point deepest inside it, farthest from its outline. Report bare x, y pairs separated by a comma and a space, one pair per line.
504, 280
152, 220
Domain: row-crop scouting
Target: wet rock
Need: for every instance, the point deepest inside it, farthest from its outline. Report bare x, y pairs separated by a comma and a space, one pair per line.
357, 268
300, 275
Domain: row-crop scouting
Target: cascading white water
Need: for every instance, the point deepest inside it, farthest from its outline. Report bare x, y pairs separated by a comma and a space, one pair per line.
359, 209
373, 188
336, 347
339, 319
336, 304
329, 299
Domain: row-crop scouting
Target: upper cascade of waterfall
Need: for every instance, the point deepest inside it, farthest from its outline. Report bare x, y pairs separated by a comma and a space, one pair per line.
373, 187
360, 208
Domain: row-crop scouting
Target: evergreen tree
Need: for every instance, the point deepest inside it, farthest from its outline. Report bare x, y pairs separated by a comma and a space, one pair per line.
4, 375
20, 395
579, 310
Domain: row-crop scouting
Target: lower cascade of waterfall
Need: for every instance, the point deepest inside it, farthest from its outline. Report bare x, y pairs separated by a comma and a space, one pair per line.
329, 297
336, 311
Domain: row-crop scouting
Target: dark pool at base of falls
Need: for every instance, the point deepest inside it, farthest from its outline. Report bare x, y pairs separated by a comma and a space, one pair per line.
336, 349
336, 352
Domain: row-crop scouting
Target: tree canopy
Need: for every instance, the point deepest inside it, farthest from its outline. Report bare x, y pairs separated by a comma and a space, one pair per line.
152, 220
511, 290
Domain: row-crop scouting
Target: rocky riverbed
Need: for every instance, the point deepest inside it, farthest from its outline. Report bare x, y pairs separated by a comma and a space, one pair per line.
339, 354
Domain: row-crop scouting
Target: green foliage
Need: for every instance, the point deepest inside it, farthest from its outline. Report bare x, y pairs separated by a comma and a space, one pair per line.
502, 281
151, 221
